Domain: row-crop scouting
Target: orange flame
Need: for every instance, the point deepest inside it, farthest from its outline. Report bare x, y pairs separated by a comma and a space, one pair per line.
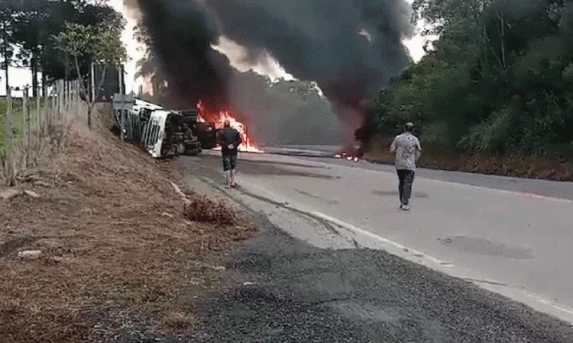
349, 153
218, 118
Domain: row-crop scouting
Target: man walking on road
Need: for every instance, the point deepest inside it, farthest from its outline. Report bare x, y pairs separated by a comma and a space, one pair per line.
407, 150
230, 139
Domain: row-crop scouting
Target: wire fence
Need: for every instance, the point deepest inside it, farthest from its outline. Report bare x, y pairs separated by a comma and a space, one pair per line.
33, 127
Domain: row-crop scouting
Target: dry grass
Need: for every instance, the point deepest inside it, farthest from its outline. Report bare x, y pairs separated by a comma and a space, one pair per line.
178, 322
113, 238
205, 210
535, 167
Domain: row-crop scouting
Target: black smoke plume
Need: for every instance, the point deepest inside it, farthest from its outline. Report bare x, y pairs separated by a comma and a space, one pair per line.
351, 48
181, 33
320, 40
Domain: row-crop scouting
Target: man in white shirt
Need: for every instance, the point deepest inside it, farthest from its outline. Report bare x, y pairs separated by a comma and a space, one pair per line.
407, 150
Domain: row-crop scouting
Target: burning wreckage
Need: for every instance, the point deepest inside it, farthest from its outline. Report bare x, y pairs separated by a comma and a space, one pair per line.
163, 133
167, 133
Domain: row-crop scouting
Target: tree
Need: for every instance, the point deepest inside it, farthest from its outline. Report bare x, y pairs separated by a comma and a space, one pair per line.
100, 45
29, 33
7, 13
35, 22
498, 79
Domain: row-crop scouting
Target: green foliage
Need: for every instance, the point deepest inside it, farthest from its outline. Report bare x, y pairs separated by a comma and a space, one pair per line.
102, 44
499, 79
29, 27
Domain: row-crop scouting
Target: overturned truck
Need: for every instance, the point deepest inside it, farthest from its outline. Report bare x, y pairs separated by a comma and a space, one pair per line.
205, 131
163, 133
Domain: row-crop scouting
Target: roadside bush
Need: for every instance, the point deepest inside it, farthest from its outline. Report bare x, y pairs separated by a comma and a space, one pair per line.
205, 210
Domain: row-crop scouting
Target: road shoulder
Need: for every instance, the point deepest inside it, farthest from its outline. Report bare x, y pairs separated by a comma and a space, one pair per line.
284, 290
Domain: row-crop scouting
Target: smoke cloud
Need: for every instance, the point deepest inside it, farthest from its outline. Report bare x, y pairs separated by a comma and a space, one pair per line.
351, 48
181, 33
320, 40
285, 112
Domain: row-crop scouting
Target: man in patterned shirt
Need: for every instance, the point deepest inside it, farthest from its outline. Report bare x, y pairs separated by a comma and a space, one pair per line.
407, 150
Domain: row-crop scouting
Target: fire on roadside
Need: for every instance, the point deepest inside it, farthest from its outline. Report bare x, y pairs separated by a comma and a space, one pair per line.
218, 118
347, 157
350, 153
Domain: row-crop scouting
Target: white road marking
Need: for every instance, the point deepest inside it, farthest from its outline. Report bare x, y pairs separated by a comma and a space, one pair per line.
355, 229
544, 301
561, 311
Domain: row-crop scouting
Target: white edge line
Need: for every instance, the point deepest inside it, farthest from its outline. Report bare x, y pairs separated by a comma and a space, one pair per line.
443, 264
551, 304
358, 230
380, 238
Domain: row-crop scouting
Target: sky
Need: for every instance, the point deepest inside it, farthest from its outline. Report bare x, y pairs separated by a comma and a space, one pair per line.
269, 67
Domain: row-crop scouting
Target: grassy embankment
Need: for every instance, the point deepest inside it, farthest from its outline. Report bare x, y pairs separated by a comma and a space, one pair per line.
103, 247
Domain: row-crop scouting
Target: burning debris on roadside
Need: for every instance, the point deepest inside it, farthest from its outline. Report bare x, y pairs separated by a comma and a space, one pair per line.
350, 153
362, 135
347, 157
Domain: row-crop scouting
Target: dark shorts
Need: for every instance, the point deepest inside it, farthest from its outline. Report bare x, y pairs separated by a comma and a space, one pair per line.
229, 162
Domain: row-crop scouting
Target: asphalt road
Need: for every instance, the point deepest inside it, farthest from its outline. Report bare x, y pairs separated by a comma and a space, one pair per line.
477, 233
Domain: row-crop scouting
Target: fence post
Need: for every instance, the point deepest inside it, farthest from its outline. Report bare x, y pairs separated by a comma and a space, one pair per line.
77, 98
53, 103
67, 88
46, 110
39, 118
24, 126
68, 96
10, 135
63, 95
92, 83
28, 125
73, 105
122, 98
60, 99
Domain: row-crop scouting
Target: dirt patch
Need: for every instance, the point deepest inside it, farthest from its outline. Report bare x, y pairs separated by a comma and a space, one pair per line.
115, 246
